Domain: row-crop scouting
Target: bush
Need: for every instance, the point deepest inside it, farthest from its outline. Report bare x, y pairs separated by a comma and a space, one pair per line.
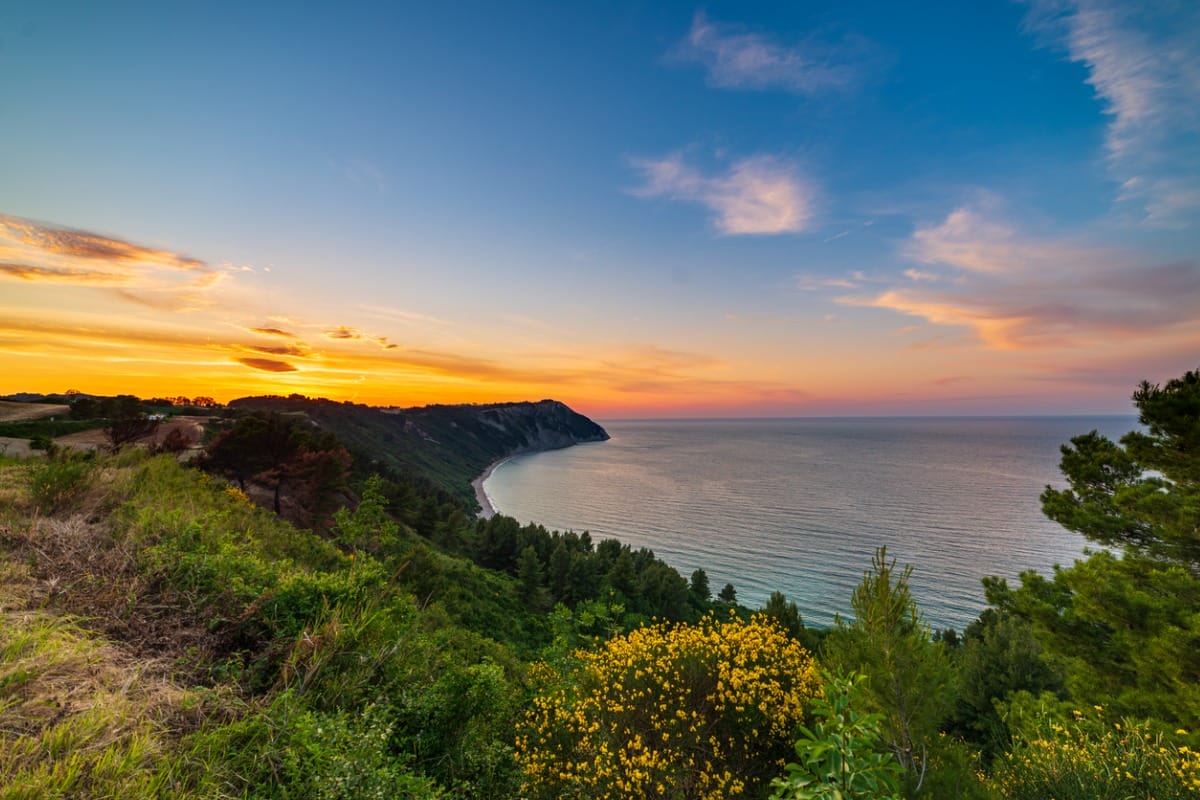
1088, 758
841, 756
286, 750
58, 484
698, 711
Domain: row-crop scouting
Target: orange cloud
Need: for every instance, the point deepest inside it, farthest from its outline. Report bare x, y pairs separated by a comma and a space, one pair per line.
347, 332
267, 364
39, 253
272, 332
298, 350
86, 245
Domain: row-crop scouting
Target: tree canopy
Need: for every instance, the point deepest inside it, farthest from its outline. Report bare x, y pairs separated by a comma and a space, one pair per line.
1123, 625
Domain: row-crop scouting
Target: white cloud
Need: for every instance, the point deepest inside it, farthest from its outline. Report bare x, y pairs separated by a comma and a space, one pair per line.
1144, 65
969, 240
812, 283
921, 275
758, 195
739, 60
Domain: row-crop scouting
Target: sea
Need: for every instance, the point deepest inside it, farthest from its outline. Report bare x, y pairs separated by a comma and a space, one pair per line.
800, 505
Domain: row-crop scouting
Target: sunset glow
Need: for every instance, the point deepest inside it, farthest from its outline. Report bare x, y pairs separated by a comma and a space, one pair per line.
739, 211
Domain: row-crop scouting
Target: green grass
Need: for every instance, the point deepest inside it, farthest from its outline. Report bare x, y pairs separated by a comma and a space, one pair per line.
50, 428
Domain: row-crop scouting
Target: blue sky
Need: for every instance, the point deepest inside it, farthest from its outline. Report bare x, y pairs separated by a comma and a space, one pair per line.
642, 208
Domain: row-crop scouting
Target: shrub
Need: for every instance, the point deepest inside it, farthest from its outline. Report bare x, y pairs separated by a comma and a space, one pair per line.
697, 711
286, 750
1088, 758
58, 484
840, 756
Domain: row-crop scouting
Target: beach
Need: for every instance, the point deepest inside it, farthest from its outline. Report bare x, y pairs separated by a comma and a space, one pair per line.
485, 503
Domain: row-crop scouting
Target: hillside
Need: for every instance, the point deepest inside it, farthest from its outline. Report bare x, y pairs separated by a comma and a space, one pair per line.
20, 412
448, 444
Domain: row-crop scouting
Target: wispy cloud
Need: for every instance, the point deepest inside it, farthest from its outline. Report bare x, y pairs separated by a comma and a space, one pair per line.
921, 275
362, 173
1144, 65
970, 240
757, 195
1018, 292
273, 332
737, 59
403, 316
39, 253
267, 364
347, 332
812, 283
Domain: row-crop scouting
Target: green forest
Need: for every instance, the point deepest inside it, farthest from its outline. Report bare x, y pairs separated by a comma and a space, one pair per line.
307, 606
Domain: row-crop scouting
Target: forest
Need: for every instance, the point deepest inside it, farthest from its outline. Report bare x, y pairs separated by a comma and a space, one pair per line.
289, 613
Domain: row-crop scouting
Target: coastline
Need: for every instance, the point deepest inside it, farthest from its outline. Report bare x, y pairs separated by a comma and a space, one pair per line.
485, 503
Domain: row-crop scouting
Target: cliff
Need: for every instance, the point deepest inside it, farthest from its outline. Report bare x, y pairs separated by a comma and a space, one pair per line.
449, 444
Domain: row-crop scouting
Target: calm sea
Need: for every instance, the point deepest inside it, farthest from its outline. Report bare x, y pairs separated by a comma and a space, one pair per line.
799, 505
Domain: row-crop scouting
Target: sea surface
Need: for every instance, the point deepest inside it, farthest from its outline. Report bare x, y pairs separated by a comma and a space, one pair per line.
799, 505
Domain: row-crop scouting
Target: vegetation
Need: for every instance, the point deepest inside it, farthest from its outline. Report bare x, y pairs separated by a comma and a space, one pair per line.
671, 711
164, 633
842, 756
49, 428
1122, 627
446, 445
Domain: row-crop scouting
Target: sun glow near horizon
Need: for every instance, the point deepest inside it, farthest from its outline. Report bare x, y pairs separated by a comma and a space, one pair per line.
467, 225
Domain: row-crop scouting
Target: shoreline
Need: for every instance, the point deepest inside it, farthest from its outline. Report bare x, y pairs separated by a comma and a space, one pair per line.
485, 503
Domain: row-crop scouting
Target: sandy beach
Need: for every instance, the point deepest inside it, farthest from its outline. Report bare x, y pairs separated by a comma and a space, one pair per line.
485, 503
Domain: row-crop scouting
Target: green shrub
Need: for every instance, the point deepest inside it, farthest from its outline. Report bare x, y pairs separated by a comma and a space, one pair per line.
1086, 757
286, 750
841, 756
59, 483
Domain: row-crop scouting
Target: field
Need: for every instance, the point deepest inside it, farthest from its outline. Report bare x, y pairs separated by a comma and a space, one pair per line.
20, 412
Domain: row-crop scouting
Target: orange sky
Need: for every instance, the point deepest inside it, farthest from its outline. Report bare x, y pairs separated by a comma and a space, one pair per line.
103, 315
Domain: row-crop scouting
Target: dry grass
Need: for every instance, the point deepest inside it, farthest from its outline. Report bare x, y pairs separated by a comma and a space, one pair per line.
76, 566
191, 428
20, 412
78, 716
93, 663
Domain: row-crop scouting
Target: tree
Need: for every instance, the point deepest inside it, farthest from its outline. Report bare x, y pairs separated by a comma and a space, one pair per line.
529, 576
785, 613
699, 585
1123, 627
999, 656
282, 453
908, 676
127, 421
728, 594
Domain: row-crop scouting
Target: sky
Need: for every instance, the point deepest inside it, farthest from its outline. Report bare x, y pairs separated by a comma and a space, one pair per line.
643, 209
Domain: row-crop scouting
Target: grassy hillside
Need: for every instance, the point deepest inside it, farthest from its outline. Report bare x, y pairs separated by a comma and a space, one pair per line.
161, 635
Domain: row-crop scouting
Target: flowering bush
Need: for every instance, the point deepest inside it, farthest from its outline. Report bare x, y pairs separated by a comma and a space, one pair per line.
669, 711
1088, 758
